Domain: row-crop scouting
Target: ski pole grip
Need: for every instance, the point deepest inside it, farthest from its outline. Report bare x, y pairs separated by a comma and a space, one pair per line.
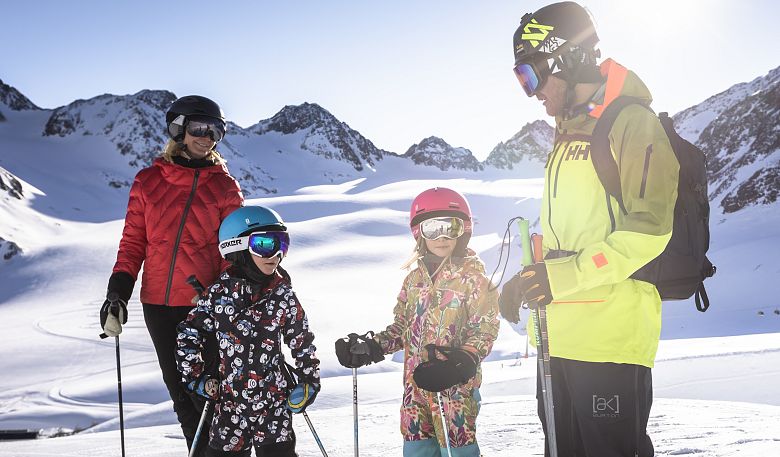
536, 241
525, 242
193, 281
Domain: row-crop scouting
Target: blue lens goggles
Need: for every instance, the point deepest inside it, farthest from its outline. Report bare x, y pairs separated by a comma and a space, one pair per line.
261, 244
269, 244
529, 77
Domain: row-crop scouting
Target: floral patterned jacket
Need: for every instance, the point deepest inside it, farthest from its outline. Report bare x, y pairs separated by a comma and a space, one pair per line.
458, 308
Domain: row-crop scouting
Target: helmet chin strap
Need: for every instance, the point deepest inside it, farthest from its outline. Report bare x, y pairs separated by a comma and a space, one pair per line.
183, 149
574, 70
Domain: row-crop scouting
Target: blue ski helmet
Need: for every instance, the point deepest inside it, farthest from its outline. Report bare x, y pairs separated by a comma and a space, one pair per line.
246, 220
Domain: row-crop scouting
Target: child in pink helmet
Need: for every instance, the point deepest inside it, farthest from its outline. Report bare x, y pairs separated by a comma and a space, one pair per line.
446, 320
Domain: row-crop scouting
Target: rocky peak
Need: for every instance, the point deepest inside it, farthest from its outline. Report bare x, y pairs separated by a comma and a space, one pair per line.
739, 132
436, 152
12, 187
134, 123
293, 118
9, 185
322, 134
14, 99
531, 144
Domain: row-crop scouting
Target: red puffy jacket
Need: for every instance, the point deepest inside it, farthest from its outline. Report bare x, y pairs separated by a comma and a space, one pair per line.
172, 227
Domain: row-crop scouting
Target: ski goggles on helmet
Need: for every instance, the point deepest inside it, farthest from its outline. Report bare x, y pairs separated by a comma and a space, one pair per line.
531, 76
438, 227
261, 244
203, 127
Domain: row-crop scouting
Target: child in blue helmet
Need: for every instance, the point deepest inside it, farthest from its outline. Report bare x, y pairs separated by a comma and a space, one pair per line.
251, 309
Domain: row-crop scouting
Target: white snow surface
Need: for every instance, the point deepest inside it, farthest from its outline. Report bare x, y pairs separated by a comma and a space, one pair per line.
716, 376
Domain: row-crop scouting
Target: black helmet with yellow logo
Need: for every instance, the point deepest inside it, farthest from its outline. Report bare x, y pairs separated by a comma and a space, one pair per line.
563, 33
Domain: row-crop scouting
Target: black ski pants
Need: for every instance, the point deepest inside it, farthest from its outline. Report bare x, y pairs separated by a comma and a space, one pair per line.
161, 322
282, 449
601, 409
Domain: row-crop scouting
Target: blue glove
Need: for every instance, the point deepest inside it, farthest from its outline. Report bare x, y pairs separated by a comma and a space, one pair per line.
301, 396
205, 386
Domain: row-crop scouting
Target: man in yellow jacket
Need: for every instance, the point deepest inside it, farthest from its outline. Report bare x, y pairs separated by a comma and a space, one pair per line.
603, 327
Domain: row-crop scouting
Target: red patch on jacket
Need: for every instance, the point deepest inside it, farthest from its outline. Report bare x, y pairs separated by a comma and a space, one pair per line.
599, 260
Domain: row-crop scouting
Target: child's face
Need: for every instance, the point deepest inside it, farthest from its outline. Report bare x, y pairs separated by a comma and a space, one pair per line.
267, 266
441, 247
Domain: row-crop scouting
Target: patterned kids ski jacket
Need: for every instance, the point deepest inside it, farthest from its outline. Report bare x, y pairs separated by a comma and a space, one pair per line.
250, 324
591, 248
456, 308
171, 227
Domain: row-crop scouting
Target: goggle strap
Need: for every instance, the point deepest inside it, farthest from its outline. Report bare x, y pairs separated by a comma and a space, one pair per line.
234, 245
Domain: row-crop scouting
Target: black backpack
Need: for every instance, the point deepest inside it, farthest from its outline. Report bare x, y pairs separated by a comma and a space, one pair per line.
680, 270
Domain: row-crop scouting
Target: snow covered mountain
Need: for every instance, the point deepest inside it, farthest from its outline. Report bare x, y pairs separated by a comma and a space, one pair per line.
739, 131
14, 100
132, 123
322, 134
527, 148
436, 152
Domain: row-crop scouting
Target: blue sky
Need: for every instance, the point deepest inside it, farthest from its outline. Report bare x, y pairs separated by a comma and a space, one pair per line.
395, 71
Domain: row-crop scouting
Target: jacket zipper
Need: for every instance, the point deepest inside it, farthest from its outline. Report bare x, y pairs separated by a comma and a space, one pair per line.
178, 236
644, 171
611, 214
551, 195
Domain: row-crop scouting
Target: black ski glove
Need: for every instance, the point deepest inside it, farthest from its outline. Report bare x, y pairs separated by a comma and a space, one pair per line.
113, 312
356, 351
530, 286
436, 375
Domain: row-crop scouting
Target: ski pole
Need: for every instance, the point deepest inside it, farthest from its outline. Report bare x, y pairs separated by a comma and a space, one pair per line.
444, 423
113, 297
355, 409
314, 433
119, 393
199, 430
356, 347
542, 347
287, 372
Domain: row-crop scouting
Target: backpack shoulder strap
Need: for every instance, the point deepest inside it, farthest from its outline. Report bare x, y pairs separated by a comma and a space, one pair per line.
600, 152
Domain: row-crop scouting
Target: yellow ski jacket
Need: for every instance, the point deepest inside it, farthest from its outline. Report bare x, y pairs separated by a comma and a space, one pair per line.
591, 248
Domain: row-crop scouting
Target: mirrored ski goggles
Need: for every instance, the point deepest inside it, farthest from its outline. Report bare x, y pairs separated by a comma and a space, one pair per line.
206, 127
530, 78
261, 244
438, 227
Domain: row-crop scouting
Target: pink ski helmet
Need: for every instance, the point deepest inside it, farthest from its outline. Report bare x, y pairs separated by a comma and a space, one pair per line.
439, 202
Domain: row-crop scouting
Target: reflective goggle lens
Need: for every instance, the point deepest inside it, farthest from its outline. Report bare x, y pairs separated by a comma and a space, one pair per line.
448, 227
528, 78
206, 128
269, 244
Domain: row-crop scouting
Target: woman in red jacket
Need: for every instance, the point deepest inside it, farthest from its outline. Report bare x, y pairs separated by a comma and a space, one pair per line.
172, 224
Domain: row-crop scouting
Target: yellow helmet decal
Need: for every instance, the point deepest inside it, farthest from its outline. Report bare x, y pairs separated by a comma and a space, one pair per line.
539, 35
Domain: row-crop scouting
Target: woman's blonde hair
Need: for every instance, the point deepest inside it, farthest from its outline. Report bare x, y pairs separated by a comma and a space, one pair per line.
173, 149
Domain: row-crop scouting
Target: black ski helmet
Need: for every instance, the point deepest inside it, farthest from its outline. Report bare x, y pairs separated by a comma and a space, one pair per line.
563, 32
191, 105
